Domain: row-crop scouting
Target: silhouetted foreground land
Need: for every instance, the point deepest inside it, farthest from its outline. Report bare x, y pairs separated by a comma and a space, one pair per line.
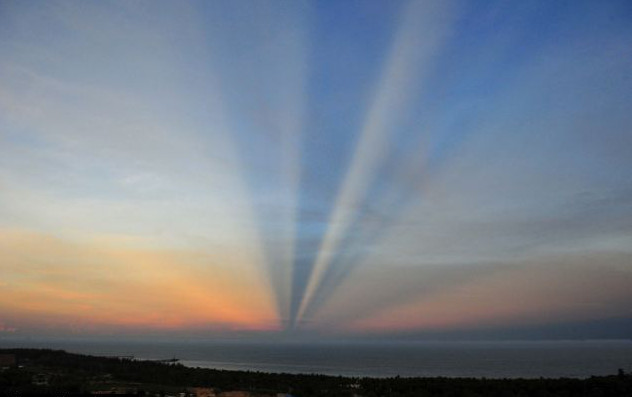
55, 372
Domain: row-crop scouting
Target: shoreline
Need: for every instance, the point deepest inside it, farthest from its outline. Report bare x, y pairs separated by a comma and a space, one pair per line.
492, 360
43, 371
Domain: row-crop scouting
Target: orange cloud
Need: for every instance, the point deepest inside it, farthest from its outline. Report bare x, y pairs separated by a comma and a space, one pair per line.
49, 281
550, 291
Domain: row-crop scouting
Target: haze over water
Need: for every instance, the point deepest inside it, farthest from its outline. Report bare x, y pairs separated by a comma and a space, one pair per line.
513, 359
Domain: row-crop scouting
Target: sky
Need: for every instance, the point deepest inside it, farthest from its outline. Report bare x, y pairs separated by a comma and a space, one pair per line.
318, 170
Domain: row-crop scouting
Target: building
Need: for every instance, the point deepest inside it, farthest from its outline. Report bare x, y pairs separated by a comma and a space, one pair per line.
41, 379
202, 392
236, 393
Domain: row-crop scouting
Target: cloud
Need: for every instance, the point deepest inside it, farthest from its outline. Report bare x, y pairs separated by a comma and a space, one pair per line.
96, 283
553, 290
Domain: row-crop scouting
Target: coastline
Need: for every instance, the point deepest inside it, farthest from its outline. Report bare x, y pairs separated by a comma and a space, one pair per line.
43, 371
472, 359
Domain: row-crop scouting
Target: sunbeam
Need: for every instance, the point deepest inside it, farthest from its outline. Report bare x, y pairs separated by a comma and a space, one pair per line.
309, 170
267, 117
424, 26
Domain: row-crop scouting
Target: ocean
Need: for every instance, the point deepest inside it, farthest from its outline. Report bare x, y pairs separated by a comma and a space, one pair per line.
528, 359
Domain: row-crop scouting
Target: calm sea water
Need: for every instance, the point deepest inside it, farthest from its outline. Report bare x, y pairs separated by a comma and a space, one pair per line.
453, 359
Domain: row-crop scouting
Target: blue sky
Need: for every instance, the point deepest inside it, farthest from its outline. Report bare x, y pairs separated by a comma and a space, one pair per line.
346, 167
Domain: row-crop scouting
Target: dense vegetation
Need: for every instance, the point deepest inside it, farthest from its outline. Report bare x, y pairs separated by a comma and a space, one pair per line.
73, 373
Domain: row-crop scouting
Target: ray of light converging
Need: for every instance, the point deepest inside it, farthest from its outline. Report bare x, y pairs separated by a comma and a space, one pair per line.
423, 27
267, 110
306, 170
124, 164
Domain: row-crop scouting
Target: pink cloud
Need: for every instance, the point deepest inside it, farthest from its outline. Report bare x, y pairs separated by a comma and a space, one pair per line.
7, 329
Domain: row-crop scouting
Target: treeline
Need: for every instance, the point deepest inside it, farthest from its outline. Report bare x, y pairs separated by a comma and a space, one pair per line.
74, 372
